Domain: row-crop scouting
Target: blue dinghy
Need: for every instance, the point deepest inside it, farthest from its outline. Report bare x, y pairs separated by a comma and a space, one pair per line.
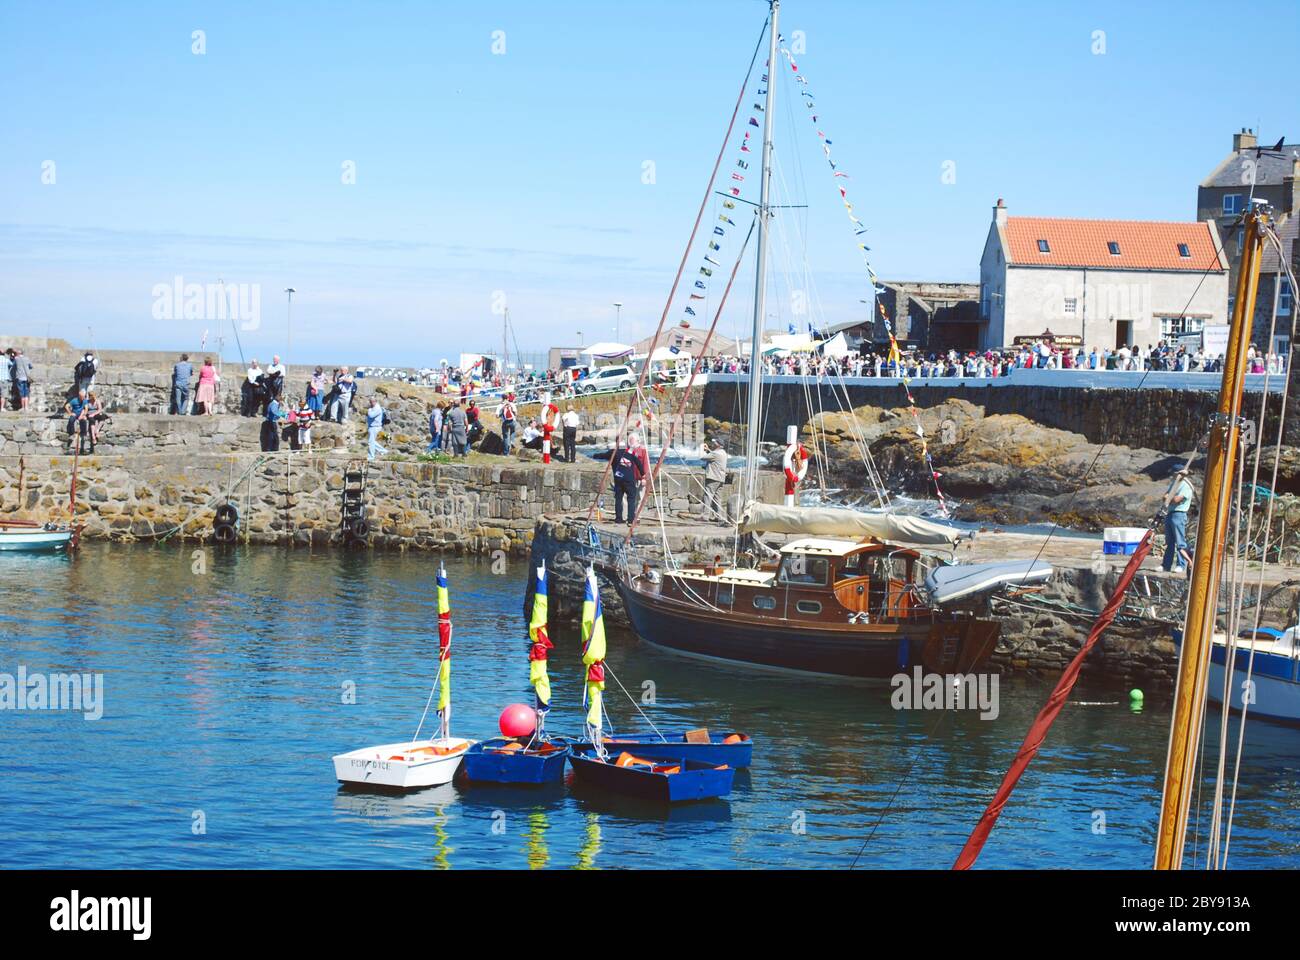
667, 781
504, 760
736, 750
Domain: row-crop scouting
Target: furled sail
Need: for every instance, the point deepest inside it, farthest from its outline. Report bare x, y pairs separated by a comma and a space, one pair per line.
444, 653
837, 521
538, 646
593, 655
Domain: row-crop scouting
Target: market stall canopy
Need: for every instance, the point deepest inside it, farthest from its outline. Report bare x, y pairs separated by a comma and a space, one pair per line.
837, 521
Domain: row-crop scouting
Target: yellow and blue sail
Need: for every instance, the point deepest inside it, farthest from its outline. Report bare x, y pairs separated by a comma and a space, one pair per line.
539, 645
593, 650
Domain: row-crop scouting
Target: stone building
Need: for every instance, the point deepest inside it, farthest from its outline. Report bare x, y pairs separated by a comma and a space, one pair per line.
1273, 176
933, 315
1109, 282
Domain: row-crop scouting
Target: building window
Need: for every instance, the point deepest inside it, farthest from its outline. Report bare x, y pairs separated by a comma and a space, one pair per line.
1113, 247
1231, 204
1043, 247
1071, 305
1184, 250
1284, 299
1171, 327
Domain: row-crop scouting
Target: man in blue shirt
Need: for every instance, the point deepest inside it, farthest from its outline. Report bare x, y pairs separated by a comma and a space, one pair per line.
181, 374
1177, 502
78, 411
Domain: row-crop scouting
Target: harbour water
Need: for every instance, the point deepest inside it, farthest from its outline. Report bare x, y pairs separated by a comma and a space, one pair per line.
227, 677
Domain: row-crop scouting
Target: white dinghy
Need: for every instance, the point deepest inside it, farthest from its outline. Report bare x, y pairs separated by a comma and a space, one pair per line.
414, 763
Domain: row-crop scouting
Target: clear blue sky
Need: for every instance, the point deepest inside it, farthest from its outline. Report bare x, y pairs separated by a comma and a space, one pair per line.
522, 172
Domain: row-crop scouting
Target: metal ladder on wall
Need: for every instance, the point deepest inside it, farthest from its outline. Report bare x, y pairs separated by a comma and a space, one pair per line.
353, 523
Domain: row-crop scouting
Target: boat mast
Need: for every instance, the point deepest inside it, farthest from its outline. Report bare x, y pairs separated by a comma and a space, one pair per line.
760, 273
1193, 666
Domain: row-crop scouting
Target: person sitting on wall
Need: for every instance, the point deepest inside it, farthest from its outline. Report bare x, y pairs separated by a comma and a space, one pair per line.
78, 411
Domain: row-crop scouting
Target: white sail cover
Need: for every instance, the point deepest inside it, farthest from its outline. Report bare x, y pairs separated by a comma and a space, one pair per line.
837, 521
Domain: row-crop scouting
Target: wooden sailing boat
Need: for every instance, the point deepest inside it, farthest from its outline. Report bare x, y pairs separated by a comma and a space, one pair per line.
852, 595
415, 763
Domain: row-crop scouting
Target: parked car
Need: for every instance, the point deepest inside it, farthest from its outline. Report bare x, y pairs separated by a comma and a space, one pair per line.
607, 379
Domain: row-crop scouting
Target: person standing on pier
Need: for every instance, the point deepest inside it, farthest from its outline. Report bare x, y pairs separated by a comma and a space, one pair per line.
1177, 502
375, 417
23, 379
571, 421
6, 378
275, 412
630, 465
715, 475
458, 429
509, 420
83, 374
435, 428
205, 396
249, 390
181, 374
316, 391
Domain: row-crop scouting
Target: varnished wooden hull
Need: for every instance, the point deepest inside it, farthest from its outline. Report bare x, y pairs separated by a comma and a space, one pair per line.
866, 651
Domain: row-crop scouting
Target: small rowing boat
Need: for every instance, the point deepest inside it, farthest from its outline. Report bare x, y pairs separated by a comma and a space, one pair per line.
736, 750
30, 537
415, 763
665, 781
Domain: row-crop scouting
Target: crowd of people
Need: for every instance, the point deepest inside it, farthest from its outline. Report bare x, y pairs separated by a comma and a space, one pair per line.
1041, 355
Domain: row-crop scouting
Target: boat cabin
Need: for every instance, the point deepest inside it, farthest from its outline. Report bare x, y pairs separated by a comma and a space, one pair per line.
814, 578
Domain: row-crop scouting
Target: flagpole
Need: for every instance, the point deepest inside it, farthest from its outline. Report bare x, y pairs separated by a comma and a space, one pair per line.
760, 279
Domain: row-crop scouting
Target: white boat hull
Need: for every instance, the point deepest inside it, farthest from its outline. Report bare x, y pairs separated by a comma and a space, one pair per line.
1274, 681
403, 766
32, 540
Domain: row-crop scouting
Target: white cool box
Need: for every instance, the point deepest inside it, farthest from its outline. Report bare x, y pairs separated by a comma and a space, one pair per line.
1122, 540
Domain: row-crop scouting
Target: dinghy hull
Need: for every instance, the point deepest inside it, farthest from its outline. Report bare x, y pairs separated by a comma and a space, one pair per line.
486, 762
695, 781
402, 766
34, 541
1275, 679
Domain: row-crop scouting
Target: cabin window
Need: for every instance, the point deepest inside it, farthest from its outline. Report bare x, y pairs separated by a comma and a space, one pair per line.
1184, 250
1113, 247
851, 567
808, 606
1043, 247
804, 570
764, 601
724, 596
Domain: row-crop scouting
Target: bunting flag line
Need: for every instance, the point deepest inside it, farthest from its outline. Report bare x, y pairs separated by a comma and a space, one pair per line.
895, 354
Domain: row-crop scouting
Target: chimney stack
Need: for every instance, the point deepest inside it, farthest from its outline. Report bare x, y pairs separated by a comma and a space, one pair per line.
1246, 140
1291, 189
1000, 213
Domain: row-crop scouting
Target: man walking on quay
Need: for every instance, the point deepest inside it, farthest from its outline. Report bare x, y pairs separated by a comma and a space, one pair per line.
181, 374
1177, 502
715, 475
571, 422
374, 423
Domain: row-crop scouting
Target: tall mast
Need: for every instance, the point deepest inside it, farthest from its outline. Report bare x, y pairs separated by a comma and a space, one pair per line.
754, 425
1193, 666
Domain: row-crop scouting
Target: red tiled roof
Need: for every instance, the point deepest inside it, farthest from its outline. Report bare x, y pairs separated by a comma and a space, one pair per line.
1143, 244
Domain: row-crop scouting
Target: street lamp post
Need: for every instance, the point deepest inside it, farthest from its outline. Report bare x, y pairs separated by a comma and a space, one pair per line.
288, 325
618, 314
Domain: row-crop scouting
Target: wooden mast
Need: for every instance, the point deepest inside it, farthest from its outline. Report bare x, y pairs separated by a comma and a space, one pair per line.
1193, 666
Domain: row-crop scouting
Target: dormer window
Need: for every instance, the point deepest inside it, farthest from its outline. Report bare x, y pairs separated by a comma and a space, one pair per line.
1184, 251
1043, 247
1113, 247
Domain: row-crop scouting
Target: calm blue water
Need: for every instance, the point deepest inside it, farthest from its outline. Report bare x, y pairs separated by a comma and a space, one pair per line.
223, 696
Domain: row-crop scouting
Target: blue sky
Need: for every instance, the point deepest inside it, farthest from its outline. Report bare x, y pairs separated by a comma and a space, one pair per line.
481, 175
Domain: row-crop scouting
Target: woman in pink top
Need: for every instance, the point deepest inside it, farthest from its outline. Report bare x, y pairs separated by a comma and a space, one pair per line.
207, 393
